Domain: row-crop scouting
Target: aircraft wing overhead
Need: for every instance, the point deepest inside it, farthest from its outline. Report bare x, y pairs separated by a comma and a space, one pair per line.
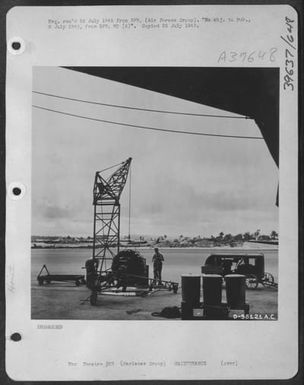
252, 92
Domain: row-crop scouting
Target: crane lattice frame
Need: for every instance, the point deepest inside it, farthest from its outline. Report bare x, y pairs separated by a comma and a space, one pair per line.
106, 196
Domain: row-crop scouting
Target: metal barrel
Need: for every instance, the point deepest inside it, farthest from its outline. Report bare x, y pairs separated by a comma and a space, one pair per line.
191, 289
91, 273
212, 289
235, 290
186, 311
146, 279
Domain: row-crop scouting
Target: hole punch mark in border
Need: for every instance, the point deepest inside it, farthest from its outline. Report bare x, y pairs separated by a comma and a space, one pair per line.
16, 190
16, 337
16, 45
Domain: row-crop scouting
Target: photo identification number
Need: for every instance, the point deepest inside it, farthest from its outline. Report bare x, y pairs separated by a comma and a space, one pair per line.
247, 56
290, 49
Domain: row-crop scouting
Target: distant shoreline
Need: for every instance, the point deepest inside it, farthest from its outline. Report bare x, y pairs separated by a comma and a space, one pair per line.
256, 247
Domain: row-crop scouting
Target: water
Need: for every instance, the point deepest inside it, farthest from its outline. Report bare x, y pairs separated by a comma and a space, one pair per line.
177, 261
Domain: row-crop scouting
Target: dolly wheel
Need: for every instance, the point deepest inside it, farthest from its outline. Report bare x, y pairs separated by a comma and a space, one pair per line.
268, 278
93, 298
252, 282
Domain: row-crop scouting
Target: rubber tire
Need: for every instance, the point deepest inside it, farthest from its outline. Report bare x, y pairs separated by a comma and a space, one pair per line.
253, 283
268, 278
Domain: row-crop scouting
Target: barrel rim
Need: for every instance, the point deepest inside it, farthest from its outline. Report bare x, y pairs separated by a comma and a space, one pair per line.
234, 275
212, 275
191, 275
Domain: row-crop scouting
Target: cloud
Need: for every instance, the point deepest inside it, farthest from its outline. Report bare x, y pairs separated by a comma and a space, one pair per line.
57, 212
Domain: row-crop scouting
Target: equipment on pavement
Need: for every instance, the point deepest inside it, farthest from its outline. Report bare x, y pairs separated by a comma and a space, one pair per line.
250, 265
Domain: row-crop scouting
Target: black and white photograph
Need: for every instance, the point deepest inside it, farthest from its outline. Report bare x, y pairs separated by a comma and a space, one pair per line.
155, 193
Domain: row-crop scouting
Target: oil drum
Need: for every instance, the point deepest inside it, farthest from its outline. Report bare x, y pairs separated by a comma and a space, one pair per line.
235, 290
212, 289
191, 289
91, 273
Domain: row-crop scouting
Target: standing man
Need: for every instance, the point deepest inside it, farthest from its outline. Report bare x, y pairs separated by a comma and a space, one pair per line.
157, 265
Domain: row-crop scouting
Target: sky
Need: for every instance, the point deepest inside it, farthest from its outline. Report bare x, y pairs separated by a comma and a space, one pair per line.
181, 184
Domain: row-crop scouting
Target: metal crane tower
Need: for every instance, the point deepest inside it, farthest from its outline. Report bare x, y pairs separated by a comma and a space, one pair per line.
106, 195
